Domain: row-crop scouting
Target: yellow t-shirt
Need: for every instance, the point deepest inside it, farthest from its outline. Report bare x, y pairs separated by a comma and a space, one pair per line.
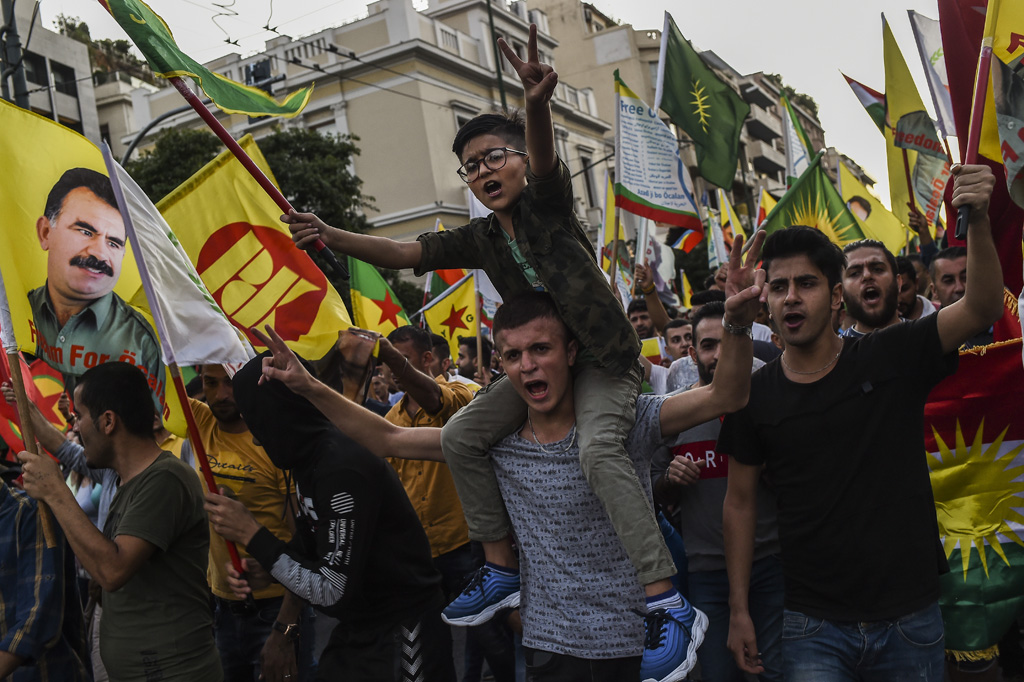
429, 485
246, 471
173, 445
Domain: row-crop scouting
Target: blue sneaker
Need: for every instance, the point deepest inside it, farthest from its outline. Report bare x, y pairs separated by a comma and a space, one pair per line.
670, 643
486, 593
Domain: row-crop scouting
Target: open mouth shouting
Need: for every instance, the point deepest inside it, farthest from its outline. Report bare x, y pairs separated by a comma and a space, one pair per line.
793, 320
870, 295
538, 390
492, 188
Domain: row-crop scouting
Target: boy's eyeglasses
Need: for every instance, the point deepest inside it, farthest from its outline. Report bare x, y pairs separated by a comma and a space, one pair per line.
494, 159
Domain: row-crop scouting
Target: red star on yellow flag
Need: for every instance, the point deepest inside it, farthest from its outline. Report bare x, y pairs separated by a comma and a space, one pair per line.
389, 310
454, 321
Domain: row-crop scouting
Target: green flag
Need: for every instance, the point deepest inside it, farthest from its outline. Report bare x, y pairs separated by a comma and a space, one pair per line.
374, 304
704, 106
813, 201
153, 38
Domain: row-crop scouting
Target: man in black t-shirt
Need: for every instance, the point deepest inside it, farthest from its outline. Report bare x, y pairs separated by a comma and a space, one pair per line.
857, 524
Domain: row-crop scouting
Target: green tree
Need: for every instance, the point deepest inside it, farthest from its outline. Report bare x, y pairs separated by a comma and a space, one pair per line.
804, 100
106, 56
176, 156
312, 170
315, 175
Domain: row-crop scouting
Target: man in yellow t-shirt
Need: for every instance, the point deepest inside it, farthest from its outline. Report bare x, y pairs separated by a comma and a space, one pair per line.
270, 628
408, 352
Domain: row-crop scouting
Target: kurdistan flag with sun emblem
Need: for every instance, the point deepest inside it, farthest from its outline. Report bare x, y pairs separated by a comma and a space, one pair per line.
702, 104
814, 201
974, 435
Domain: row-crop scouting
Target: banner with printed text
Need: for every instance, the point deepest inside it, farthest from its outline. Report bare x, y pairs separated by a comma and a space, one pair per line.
650, 178
68, 270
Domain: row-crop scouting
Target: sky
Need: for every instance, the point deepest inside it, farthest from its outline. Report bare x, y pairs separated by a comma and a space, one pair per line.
808, 42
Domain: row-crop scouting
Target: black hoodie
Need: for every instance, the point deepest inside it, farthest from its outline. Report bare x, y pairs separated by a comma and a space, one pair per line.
359, 554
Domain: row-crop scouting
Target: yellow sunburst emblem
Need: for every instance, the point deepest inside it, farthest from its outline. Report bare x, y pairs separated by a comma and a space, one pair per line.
701, 108
978, 495
813, 213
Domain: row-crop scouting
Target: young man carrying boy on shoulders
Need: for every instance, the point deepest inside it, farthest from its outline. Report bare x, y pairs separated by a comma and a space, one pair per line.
533, 241
581, 595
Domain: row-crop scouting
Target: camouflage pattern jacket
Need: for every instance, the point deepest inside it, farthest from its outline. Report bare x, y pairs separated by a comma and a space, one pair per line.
552, 241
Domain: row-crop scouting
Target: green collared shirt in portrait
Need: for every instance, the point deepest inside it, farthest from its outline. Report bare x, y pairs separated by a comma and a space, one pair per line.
106, 330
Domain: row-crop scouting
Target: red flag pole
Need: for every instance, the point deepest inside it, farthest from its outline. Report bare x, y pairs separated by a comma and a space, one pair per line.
250, 165
28, 436
970, 152
200, 451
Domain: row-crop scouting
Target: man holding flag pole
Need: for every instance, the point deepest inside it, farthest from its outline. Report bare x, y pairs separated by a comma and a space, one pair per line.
141, 547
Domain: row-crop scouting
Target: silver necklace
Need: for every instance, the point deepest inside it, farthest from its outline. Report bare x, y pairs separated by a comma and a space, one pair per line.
829, 364
572, 440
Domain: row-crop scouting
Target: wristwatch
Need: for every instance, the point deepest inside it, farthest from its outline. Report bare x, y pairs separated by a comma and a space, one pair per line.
738, 330
290, 631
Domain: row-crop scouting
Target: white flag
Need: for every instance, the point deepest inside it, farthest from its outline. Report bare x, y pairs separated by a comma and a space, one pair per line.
929, 44
193, 330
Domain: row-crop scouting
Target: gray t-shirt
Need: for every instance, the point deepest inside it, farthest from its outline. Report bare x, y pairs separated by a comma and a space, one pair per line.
580, 593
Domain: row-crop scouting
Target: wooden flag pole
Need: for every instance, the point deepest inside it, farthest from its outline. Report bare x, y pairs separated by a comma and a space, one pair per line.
910, 193
250, 165
613, 266
201, 456
910, 182
28, 434
479, 334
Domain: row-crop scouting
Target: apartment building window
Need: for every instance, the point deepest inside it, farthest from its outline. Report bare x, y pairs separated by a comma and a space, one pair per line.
586, 161
35, 68
463, 114
64, 78
105, 132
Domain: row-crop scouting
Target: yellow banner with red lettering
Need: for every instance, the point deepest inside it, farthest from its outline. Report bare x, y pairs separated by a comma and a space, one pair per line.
231, 231
67, 268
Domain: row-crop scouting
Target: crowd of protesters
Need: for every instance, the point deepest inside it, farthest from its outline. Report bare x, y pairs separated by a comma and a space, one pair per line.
554, 507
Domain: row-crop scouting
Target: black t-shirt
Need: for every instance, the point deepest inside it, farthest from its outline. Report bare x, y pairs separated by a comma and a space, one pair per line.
846, 453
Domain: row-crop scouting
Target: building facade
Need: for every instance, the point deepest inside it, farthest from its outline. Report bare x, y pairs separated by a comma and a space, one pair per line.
57, 73
403, 81
592, 45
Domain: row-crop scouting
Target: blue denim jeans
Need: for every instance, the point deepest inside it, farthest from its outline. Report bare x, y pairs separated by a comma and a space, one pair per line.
907, 648
709, 592
240, 637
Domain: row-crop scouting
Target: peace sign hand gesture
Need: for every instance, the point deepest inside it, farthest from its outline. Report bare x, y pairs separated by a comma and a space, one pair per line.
539, 80
282, 364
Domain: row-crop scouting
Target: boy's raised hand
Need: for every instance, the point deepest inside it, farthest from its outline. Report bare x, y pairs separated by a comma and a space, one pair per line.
539, 80
306, 228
